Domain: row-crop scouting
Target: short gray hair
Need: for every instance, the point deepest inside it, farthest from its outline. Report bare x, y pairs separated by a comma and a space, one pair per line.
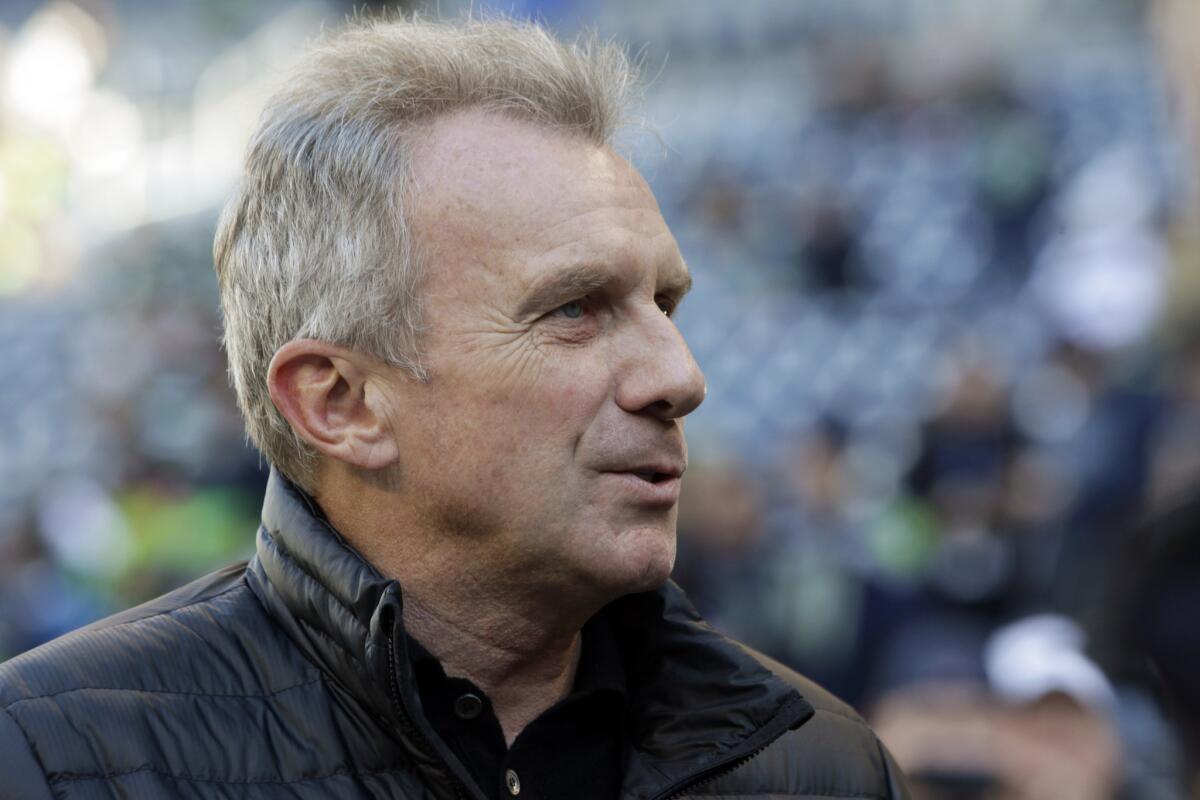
316, 242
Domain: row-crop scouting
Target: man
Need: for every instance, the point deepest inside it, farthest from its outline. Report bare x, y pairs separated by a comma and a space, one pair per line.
448, 317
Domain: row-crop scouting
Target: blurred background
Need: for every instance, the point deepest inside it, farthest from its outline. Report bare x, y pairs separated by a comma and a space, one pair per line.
945, 256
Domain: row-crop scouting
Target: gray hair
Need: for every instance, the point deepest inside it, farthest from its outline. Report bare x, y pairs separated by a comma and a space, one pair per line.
316, 242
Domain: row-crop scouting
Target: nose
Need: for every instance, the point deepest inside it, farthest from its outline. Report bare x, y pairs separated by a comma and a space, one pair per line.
658, 374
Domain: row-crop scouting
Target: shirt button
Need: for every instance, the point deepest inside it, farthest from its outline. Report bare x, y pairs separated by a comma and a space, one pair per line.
468, 706
513, 782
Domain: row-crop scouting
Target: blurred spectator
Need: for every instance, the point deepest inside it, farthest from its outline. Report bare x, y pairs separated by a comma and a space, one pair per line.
720, 538
1147, 632
1176, 448
1026, 716
827, 256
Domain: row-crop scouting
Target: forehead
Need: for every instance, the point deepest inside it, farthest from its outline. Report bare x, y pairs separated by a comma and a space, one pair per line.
509, 199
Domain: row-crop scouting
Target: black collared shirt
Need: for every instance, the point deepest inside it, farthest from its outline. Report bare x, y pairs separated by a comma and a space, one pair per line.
574, 750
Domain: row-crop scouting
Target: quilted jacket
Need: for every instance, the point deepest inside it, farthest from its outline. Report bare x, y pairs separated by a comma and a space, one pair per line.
287, 677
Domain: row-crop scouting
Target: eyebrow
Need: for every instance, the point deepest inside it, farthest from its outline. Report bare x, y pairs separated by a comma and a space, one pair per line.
582, 279
572, 281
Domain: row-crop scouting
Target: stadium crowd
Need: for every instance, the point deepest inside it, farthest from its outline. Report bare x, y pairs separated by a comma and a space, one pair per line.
942, 306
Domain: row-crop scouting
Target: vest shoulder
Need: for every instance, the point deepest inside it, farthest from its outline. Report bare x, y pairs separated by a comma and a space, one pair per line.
820, 698
200, 693
190, 641
834, 753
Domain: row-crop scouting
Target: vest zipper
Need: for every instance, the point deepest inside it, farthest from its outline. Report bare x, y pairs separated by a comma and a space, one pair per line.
410, 728
711, 774
719, 770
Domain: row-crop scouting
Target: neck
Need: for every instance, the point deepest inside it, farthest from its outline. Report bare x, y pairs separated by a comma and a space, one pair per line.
474, 605
523, 667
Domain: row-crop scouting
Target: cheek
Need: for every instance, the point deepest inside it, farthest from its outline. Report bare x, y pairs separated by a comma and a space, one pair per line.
569, 401
489, 433
494, 430
560, 405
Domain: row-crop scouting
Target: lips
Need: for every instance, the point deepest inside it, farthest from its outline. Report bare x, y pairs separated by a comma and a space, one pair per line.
652, 475
652, 482
652, 469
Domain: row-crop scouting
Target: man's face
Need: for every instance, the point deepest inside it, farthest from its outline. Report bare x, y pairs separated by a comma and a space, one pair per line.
550, 433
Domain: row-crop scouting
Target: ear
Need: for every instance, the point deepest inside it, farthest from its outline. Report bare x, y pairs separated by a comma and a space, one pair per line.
334, 398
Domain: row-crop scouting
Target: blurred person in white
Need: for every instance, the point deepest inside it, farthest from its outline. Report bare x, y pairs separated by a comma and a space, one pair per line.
447, 312
1025, 716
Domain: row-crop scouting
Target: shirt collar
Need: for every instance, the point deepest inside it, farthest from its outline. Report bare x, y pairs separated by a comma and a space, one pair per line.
601, 668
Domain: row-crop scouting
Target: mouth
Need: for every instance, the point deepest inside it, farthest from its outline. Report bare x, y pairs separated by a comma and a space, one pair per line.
653, 484
646, 487
652, 477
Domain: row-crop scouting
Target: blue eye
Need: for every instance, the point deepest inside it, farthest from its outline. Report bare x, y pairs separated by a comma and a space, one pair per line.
571, 310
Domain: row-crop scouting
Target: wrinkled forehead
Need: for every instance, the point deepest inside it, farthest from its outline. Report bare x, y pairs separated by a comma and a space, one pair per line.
491, 184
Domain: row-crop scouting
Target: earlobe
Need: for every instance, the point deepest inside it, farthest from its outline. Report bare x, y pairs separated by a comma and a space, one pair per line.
325, 394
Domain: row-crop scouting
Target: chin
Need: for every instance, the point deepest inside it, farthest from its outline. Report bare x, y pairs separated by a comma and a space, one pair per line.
655, 576
645, 563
